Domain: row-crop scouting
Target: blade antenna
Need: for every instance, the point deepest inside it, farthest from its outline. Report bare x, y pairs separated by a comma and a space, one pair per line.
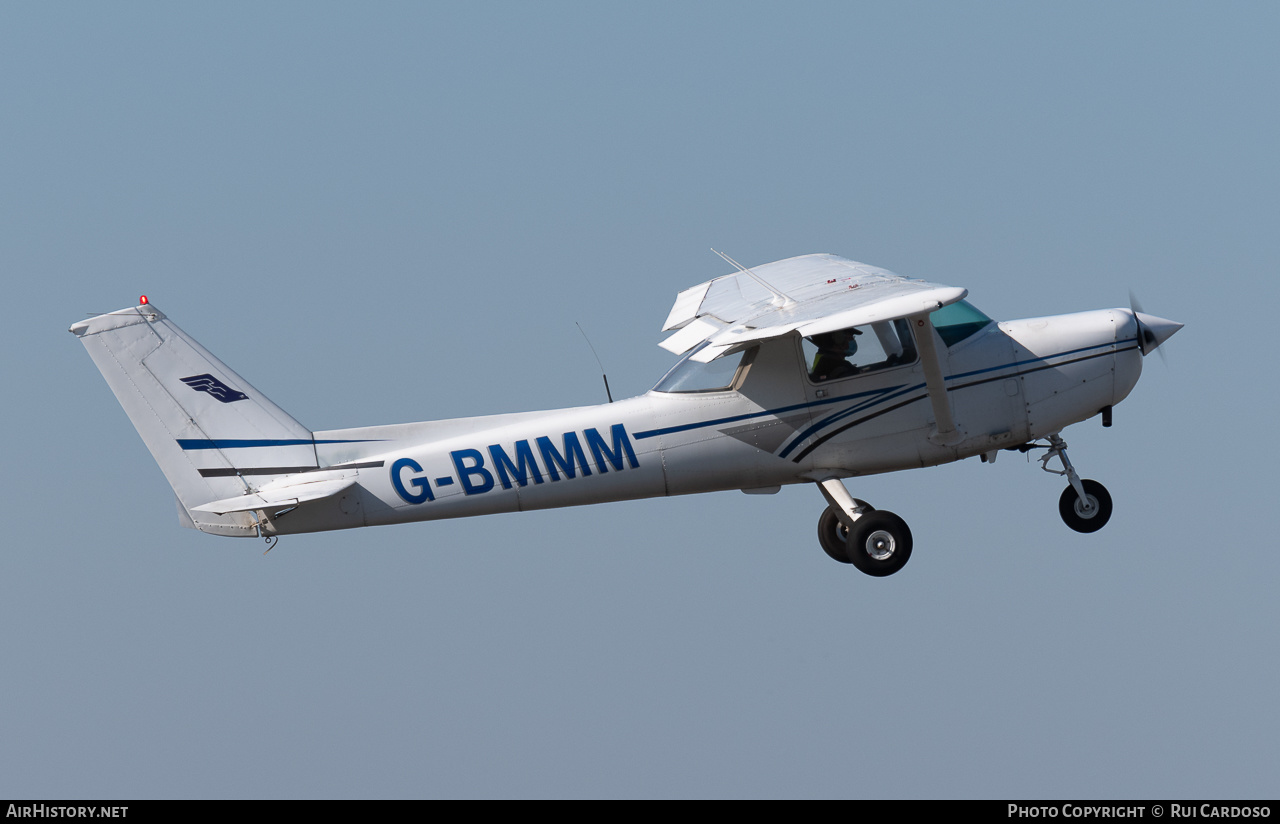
779, 297
607, 393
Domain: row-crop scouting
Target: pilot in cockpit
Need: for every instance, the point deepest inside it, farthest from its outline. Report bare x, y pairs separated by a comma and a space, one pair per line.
834, 350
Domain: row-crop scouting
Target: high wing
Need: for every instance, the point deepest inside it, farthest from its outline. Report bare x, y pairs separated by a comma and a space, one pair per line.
810, 294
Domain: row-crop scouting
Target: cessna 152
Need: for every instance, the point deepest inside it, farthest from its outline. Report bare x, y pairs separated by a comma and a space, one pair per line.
807, 370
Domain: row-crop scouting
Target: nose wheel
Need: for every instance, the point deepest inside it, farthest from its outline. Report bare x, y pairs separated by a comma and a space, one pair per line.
1087, 514
1085, 505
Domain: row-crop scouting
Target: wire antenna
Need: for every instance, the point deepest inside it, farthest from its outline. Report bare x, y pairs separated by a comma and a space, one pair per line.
781, 298
607, 393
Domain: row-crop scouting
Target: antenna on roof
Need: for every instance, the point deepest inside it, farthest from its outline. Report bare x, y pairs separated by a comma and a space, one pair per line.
607, 393
779, 297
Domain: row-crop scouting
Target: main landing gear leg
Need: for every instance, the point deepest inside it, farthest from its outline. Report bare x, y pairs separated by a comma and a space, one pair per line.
851, 531
1085, 505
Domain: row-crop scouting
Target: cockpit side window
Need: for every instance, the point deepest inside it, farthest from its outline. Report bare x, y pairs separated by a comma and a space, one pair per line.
958, 321
719, 375
858, 350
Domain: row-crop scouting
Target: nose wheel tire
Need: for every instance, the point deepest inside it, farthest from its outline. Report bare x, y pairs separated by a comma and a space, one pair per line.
1088, 515
834, 535
879, 544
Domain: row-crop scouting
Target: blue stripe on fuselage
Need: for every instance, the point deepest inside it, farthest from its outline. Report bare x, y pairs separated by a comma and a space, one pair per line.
234, 443
879, 396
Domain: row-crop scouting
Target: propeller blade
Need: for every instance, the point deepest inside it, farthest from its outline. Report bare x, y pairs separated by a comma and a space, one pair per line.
1146, 338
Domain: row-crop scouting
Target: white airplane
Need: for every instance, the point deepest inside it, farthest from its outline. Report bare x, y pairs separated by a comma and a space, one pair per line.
808, 370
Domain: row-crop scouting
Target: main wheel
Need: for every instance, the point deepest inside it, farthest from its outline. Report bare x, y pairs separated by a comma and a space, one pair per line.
879, 544
1081, 517
834, 535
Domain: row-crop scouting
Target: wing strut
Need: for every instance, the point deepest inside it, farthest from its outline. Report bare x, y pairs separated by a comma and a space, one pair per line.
946, 433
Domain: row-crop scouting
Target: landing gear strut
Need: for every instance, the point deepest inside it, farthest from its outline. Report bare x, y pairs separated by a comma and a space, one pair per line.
1085, 505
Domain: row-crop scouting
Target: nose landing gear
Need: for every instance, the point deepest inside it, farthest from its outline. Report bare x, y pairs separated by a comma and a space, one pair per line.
1085, 505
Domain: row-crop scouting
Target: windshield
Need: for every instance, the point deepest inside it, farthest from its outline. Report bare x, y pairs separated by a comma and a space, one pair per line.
690, 376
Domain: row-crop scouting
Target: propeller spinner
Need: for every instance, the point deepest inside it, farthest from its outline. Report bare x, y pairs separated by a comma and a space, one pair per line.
1152, 331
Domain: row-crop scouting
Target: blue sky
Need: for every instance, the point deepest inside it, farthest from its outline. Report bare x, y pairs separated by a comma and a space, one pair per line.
366, 209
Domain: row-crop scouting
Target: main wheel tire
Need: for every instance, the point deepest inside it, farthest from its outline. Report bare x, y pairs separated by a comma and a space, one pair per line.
879, 544
834, 535
1081, 518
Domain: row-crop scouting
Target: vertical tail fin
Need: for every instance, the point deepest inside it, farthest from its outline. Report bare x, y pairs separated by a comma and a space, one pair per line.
213, 434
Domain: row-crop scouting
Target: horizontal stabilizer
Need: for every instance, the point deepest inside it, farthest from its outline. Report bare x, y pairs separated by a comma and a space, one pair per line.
268, 498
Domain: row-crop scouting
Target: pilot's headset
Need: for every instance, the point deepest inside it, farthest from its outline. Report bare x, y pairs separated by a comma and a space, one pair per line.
828, 342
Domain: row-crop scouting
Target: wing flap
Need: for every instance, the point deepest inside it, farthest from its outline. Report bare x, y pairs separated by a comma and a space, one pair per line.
692, 334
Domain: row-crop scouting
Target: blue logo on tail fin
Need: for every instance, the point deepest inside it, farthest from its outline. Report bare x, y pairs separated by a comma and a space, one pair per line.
215, 387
